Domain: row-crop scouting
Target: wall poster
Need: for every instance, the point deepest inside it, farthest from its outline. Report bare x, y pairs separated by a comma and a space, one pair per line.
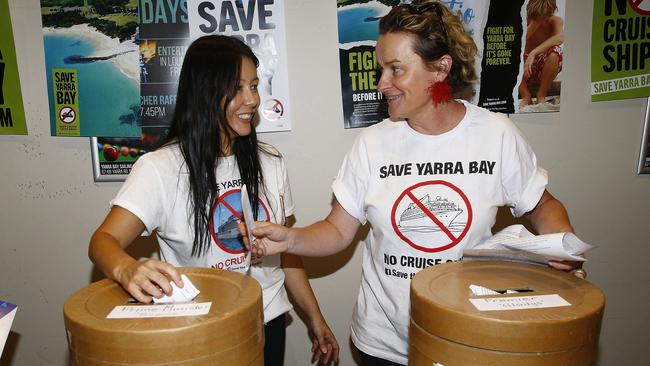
498, 29
620, 50
260, 24
166, 28
163, 40
12, 113
91, 62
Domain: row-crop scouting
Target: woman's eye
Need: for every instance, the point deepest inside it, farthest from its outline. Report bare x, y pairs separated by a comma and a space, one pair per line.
254, 87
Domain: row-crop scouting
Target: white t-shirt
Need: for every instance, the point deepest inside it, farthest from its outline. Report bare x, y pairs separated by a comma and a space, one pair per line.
156, 191
427, 198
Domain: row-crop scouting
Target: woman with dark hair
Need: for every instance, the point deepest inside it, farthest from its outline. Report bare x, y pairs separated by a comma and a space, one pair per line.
189, 192
429, 180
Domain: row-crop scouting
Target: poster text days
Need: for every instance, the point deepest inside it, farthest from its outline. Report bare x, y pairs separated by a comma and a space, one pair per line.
162, 12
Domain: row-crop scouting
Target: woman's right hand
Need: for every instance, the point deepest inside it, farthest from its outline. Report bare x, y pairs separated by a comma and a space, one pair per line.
269, 239
147, 279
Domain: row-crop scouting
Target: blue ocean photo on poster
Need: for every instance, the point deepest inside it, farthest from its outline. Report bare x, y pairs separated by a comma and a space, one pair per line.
360, 22
93, 49
110, 113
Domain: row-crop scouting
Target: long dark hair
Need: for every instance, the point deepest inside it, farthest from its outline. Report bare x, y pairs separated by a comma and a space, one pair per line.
208, 82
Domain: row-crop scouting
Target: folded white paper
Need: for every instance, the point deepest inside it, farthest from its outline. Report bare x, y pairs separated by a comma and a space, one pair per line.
515, 242
249, 220
185, 294
481, 291
248, 213
7, 314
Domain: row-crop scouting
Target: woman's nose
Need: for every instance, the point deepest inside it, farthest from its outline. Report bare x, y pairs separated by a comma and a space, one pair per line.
384, 82
250, 98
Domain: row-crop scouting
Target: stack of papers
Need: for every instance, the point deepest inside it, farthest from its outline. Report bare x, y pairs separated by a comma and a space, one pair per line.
516, 243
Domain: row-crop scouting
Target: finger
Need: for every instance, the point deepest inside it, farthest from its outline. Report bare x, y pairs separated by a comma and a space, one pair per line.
242, 229
314, 346
317, 355
263, 229
327, 354
171, 273
139, 295
150, 289
157, 280
335, 351
564, 265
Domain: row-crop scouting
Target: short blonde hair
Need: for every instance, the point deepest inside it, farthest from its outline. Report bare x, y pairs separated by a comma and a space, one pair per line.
437, 31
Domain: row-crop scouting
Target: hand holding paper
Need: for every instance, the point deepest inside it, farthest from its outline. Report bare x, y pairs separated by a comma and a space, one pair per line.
516, 243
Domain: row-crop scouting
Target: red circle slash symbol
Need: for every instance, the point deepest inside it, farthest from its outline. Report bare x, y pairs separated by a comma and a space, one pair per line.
226, 215
640, 6
432, 216
67, 115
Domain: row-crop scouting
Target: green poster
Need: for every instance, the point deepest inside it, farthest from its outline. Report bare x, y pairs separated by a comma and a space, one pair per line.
12, 114
620, 50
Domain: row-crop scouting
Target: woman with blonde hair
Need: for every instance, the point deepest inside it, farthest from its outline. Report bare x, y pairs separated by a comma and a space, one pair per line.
429, 180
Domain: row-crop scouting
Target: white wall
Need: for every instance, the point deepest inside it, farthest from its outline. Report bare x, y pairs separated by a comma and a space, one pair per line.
50, 204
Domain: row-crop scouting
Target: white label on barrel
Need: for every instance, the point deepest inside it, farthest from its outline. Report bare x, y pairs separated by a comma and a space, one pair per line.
519, 302
159, 311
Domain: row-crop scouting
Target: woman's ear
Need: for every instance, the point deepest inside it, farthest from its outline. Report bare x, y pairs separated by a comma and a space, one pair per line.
443, 66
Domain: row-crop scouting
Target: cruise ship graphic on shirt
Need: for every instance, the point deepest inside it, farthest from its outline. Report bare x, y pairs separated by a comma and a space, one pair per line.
413, 218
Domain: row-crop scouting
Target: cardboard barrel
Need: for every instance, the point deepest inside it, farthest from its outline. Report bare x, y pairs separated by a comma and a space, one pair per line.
232, 333
447, 329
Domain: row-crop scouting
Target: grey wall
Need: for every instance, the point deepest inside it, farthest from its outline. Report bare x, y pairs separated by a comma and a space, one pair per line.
49, 204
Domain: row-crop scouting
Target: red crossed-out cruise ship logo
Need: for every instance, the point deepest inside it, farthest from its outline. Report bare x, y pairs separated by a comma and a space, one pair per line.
432, 216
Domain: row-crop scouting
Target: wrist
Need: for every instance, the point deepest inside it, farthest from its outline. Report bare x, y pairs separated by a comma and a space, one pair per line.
291, 240
119, 270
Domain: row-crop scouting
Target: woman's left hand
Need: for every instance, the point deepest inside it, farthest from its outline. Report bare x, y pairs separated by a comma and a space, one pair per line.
324, 347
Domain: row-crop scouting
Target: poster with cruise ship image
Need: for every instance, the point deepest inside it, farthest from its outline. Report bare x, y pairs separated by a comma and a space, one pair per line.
92, 67
432, 216
226, 215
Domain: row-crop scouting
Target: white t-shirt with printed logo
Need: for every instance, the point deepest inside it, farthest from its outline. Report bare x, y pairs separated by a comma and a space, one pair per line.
156, 191
427, 198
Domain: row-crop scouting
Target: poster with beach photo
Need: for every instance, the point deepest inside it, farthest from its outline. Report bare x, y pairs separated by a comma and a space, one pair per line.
163, 41
498, 29
92, 68
12, 113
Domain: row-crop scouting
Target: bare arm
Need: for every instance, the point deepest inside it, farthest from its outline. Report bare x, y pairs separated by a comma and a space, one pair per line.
556, 39
324, 345
320, 239
142, 279
550, 216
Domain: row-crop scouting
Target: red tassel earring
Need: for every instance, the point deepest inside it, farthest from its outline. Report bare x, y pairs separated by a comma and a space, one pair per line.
440, 92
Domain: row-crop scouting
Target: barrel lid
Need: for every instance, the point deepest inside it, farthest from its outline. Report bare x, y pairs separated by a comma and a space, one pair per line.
440, 304
235, 318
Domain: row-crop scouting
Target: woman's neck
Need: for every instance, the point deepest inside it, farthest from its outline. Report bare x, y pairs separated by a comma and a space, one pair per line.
442, 118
